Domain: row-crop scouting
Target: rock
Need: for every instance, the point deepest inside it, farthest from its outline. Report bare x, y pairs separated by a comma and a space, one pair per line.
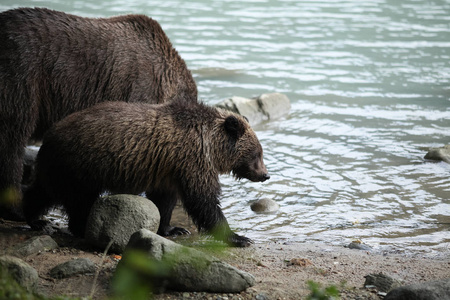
275, 105
248, 108
262, 297
265, 206
382, 282
73, 267
35, 245
116, 217
22, 272
188, 269
259, 109
359, 246
442, 153
431, 290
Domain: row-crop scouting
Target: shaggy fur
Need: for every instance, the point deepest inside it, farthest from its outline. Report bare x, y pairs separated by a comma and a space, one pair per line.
170, 151
53, 64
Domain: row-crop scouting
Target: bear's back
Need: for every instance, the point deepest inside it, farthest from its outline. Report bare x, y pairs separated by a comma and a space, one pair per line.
120, 143
43, 27
64, 63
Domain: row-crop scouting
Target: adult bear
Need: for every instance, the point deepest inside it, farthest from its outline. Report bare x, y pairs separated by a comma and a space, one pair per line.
169, 151
53, 64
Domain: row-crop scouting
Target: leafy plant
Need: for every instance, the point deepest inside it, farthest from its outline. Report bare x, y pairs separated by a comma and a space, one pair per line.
322, 293
132, 277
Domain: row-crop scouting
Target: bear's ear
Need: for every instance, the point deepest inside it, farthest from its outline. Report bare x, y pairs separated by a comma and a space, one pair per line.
234, 127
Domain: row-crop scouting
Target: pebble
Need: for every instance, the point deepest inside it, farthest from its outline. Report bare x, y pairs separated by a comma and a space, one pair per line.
262, 297
359, 246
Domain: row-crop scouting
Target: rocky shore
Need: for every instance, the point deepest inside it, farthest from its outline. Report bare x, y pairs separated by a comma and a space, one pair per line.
280, 270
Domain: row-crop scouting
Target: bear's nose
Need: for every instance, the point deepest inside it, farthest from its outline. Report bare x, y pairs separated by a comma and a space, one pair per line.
265, 177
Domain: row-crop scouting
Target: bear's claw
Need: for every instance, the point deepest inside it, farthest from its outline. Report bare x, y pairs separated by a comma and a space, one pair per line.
239, 241
175, 231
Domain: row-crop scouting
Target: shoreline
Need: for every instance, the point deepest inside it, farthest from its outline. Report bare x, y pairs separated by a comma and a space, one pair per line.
339, 266
281, 270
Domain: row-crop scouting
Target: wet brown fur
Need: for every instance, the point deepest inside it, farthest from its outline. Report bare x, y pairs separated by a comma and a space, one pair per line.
53, 64
170, 151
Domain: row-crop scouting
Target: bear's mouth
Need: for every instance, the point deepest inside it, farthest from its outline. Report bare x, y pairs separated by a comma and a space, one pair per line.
240, 174
260, 178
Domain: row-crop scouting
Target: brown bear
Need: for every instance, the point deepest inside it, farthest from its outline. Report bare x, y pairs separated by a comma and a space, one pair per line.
170, 151
53, 64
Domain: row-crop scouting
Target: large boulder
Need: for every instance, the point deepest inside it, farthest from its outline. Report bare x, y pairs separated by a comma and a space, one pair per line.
257, 110
115, 218
431, 290
187, 269
22, 272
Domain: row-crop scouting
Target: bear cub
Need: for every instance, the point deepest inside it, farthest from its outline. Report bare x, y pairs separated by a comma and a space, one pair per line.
170, 151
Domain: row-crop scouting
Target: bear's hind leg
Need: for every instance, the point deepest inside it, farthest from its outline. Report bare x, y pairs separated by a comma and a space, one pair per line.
166, 201
36, 203
78, 207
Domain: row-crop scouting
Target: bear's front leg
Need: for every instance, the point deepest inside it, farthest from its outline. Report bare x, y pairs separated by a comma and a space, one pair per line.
204, 209
222, 232
35, 204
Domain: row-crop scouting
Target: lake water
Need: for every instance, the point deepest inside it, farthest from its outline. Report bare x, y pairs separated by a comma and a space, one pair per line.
369, 83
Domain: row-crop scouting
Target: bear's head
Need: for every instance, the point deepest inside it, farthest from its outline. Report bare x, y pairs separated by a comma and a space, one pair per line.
245, 149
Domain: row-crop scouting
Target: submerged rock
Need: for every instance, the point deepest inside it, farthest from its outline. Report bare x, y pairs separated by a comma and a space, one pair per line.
259, 109
73, 267
265, 206
35, 245
22, 272
187, 269
431, 290
442, 154
116, 217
